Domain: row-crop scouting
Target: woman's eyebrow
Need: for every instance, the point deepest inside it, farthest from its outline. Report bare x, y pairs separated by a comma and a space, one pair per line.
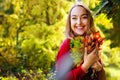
73, 15
81, 15
85, 14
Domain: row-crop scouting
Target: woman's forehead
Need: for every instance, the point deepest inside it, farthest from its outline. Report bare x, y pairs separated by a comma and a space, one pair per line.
78, 10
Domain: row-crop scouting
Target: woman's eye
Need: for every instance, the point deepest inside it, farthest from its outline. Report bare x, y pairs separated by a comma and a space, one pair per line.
74, 18
84, 17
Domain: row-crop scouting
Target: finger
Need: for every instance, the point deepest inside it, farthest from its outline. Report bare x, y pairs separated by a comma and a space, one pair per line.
97, 48
94, 51
93, 66
85, 54
99, 63
99, 54
85, 51
99, 66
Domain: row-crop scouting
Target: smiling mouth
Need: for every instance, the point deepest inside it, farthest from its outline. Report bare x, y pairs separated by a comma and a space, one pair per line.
79, 27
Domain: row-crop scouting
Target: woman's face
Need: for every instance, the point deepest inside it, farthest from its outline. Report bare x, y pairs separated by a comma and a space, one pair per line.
79, 20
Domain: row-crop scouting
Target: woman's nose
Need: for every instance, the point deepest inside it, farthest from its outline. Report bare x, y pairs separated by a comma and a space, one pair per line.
79, 21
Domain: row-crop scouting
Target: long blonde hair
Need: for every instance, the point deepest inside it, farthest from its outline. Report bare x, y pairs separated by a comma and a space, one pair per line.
69, 32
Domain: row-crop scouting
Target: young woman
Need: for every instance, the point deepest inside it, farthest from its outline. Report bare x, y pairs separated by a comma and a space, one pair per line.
89, 67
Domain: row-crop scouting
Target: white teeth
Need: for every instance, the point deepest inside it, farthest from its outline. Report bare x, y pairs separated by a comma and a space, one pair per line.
79, 27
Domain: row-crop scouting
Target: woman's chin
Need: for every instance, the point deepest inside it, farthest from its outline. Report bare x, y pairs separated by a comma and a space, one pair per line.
79, 33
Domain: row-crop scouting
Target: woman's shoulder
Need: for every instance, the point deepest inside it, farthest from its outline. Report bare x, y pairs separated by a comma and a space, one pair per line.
65, 43
64, 48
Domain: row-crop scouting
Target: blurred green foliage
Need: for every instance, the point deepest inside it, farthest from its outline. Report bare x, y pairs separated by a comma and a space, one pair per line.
31, 32
112, 10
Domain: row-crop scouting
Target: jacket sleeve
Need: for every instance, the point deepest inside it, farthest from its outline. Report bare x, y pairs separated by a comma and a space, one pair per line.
65, 70
75, 74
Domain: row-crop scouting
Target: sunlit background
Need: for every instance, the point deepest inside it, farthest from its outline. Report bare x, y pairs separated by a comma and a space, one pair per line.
31, 32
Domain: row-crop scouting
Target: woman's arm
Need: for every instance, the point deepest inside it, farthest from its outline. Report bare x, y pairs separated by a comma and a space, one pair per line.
76, 73
65, 64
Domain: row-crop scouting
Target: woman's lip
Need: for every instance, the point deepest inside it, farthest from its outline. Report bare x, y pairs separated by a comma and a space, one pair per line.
79, 27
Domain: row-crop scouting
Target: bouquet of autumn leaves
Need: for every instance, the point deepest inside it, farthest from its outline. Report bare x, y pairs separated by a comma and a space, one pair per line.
78, 44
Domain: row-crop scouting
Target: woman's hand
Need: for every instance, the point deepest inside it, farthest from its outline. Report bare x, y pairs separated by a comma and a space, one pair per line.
97, 66
90, 59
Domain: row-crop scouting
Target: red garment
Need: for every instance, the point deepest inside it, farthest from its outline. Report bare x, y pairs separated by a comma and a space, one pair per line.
73, 73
